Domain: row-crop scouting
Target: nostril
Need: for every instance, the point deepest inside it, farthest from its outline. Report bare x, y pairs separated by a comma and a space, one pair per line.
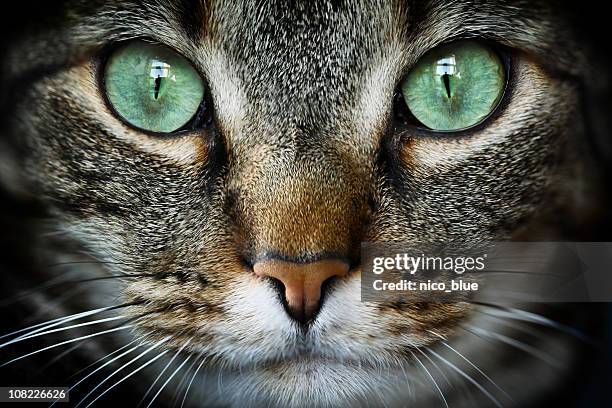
326, 288
303, 285
278, 287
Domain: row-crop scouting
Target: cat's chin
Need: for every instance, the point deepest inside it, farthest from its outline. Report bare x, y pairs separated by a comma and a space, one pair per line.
307, 382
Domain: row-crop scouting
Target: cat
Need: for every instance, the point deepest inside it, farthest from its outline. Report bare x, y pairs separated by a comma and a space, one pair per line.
187, 246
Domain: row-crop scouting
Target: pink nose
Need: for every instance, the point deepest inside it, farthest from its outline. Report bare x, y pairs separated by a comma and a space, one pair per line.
302, 282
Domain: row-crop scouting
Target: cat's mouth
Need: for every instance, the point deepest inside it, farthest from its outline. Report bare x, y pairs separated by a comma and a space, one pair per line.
305, 349
312, 361
308, 358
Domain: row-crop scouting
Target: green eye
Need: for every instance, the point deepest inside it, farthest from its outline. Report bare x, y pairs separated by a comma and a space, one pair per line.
152, 88
455, 87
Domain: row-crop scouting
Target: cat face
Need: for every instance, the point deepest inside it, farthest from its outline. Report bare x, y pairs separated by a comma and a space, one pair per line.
304, 155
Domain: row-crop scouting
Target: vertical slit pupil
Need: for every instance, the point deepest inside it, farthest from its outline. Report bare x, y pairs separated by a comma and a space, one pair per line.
157, 86
446, 80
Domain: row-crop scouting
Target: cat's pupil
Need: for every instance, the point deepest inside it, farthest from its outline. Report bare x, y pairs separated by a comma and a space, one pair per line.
445, 67
159, 70
446, 80
157, 86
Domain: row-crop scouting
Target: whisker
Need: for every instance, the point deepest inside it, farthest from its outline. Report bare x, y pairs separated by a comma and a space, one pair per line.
102, 359
516, 344
81, 344
191, 381
518, 325
431, 377
411, 393
65, 342
53, 284
474, 366
58, 357
128, 376
167, 381
23, 338
525, 316
182, 383
162, 372
103, 365
60, 320
435, 365
162, 341
442, 373
71, 349
467, 377
54, 265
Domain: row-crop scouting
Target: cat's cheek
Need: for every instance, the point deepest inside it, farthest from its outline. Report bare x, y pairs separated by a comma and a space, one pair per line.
510, 162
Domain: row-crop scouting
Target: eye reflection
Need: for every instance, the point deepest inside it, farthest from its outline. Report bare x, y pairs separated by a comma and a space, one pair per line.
445, 68
159, 70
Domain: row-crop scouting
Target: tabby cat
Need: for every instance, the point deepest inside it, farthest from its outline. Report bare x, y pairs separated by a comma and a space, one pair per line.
187, 185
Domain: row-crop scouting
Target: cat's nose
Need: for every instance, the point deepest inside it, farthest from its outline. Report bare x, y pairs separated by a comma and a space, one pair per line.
302, 282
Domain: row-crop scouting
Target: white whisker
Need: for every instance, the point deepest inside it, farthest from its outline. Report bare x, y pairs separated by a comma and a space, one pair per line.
438, 369
162, 372
431, 377
473, 366
65, 342
127, 376
167, 381
467, 377
56, 322
181, 384
103, 365
102, 358
60, 356
517, 344
30, 336
530, 317
121, 368
191, 381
